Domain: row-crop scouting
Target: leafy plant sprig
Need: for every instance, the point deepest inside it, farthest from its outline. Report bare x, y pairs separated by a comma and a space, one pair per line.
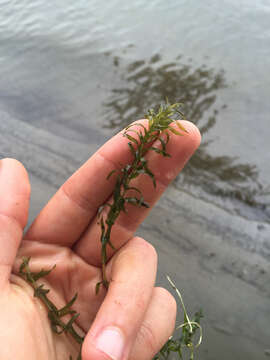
159, 123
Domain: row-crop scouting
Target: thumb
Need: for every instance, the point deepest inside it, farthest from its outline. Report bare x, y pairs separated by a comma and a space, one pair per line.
114, 331
14, 204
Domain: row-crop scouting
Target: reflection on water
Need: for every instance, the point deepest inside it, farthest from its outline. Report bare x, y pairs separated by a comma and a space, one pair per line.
148, 83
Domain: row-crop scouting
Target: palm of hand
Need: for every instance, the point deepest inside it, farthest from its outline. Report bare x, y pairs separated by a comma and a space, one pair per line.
25, 330
23, 315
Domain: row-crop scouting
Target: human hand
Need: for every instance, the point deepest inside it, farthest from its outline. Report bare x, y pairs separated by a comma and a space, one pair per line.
133, 319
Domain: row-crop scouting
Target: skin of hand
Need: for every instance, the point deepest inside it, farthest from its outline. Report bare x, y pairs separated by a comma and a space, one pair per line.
129, 321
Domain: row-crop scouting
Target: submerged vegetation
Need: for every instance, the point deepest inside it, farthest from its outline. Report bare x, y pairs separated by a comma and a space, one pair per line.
142, 138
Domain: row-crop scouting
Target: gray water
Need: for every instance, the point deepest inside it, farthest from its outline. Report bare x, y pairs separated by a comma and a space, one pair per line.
73, 73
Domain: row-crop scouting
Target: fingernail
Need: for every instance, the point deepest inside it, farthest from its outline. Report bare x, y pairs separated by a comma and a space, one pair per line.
111, 342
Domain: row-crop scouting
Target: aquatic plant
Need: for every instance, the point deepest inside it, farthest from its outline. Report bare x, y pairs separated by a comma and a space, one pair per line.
142, 142
142, 139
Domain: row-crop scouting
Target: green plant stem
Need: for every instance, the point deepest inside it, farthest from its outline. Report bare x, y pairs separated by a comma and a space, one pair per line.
159, 123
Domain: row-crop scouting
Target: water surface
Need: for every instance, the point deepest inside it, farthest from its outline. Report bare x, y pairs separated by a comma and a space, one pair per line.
72, 74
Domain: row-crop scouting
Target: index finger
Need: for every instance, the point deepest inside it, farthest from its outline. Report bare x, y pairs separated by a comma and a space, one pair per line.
71, 209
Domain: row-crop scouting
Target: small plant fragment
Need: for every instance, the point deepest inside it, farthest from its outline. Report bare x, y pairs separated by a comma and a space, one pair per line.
140, 142
54, 314
185, 340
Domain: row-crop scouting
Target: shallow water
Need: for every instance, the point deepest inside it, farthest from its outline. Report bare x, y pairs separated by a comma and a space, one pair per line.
73, 73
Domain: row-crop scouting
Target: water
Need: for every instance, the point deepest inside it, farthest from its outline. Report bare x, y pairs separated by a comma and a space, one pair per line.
73, 73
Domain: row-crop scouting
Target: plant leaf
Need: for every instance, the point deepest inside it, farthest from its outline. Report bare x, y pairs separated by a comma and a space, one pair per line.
159, 151
174, 131
66, 309
41, 273
136, 124
98, 286
132, 149
181, 127
131, 138
110, 174
149, 172
24, 264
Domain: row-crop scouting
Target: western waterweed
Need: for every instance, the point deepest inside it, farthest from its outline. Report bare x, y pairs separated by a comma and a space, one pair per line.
142, 139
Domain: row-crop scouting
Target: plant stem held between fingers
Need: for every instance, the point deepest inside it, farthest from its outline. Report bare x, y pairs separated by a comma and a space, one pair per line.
140, 142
